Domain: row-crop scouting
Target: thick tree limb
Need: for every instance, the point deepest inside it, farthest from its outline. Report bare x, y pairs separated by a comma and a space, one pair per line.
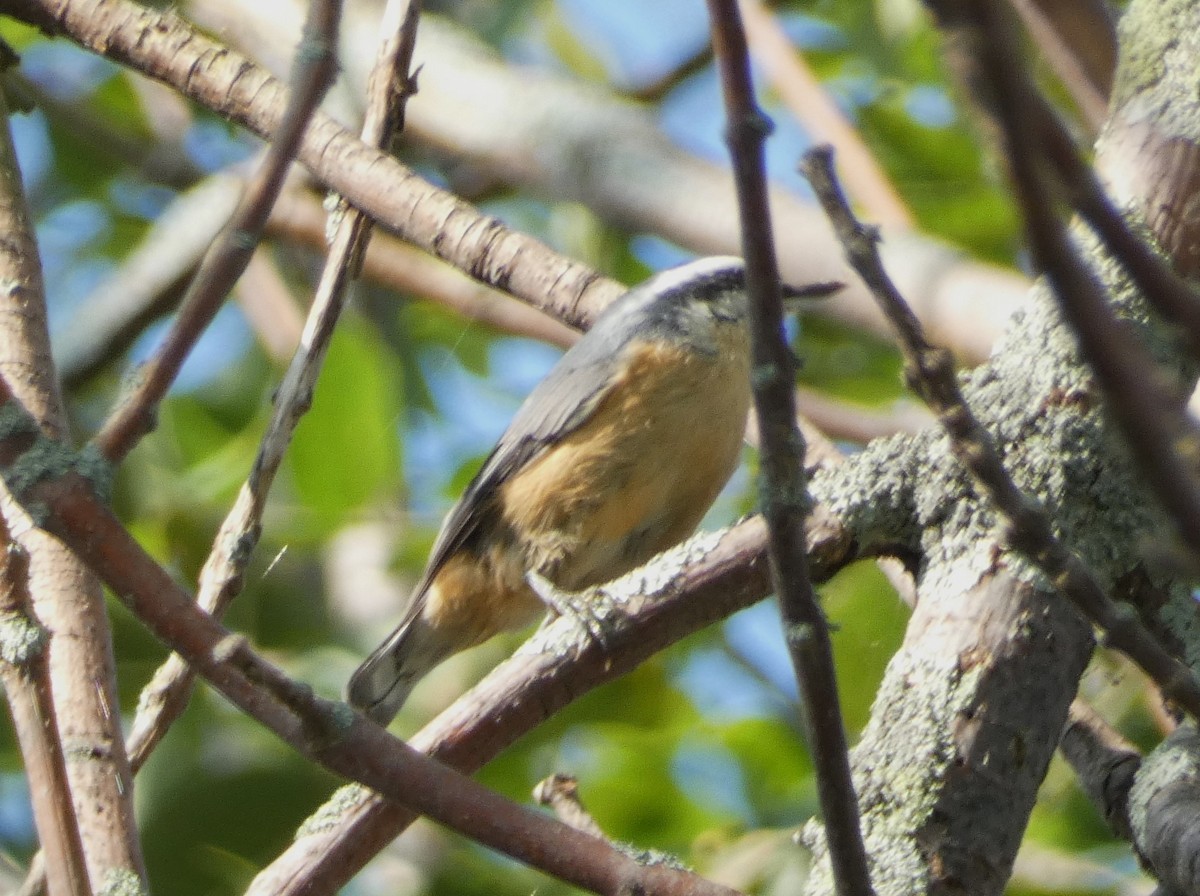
43, 473
66, 598
959, 690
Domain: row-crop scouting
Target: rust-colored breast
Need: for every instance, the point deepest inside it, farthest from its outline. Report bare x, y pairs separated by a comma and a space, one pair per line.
639, 475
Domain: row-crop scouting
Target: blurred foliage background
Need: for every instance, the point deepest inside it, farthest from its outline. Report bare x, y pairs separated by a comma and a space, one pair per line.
700, 752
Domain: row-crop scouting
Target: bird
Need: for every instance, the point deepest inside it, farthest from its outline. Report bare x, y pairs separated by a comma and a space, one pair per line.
615, 456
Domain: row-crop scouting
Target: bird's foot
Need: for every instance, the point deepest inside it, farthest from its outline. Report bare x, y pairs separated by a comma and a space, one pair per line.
590, 608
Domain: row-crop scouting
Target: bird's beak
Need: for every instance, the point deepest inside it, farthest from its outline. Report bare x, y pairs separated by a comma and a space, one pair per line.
798, 298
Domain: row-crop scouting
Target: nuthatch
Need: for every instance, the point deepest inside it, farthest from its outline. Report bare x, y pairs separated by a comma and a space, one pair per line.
614, 457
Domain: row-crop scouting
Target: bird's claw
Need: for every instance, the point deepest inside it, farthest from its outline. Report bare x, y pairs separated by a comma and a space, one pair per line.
589, 608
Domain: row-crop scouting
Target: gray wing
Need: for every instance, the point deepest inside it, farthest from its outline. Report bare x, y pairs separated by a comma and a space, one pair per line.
558, 405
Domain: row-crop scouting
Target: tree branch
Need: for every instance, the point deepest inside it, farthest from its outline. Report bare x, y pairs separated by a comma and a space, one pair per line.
43, 473
930, 372
165, 47
782, 487
314, 70
66, 598
1148, 408
222, 577
966, 302
25, 672
684, 590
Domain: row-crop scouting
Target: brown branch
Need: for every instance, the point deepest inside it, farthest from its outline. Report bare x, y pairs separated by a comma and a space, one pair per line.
1104, 762
930, 372
808, 101
66, 599
25, 672
782, 486
1079, 39
149, 282
222, 577
1147, 408
399, 266
328, 733
165, 47
965, 301
821, 453
480, 110
314, 70
701, 582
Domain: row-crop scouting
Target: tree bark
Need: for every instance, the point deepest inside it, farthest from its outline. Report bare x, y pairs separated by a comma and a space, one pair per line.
991, 660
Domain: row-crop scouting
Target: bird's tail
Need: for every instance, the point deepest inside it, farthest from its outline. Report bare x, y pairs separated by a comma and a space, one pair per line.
383, 682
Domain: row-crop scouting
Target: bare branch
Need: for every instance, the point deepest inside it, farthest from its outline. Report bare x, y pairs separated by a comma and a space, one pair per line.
931, 373
25, 671
343, 742
401, 267
66, 599
1146, 406
967, 302
806, 99
222, 577
314, 71
163, 46
782, 481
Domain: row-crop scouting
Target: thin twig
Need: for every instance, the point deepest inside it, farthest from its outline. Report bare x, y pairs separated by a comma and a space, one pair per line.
222, 577
314, 70
686, 589
965, 301
807, 100
782, 487
66, 598
930, 372
1147, 409
150, 281
25, 671
329, 733
163, 46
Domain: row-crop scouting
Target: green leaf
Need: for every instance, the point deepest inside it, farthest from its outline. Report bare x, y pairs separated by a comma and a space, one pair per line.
346, 452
